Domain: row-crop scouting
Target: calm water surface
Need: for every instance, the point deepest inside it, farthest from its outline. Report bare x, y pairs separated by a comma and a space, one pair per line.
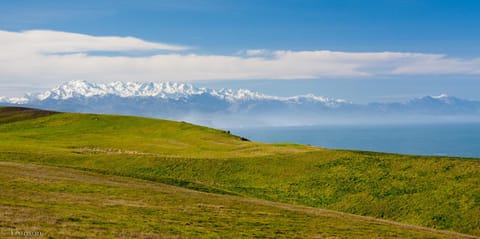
440, 139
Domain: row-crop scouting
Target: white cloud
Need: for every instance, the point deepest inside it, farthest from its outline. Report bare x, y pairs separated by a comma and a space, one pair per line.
256, 52
48, 58
45, 41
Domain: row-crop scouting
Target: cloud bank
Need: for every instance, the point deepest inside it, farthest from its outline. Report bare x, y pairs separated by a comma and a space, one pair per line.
51, 57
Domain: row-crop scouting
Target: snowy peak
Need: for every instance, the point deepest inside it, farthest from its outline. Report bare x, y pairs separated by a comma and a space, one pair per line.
69, 90
439, 99
441, 96
239, 95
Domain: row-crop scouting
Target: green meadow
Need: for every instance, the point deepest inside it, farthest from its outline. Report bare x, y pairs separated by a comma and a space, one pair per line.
85, 175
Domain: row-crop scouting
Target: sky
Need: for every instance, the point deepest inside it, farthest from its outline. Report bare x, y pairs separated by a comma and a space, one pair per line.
363, 51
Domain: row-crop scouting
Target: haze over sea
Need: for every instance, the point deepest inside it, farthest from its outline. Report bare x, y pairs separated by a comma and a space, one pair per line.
419, 139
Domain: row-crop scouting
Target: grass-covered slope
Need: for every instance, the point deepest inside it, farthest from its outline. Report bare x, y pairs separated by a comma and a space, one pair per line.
66, 203
436, 192
105, 134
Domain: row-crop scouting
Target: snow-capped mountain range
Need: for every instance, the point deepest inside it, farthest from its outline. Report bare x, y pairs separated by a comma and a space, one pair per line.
236, 108
162, 90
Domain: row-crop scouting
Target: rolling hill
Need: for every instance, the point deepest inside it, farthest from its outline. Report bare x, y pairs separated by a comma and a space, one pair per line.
68, 173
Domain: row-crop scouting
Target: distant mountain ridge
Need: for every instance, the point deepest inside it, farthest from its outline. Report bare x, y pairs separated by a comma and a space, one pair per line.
238, 108
164, 90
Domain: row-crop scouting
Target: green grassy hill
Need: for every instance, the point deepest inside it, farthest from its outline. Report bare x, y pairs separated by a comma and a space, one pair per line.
436, 192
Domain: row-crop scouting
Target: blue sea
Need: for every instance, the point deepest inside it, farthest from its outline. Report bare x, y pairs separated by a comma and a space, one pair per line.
437, 139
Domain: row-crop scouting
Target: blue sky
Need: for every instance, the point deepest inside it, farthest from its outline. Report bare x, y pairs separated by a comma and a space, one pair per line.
433, 44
